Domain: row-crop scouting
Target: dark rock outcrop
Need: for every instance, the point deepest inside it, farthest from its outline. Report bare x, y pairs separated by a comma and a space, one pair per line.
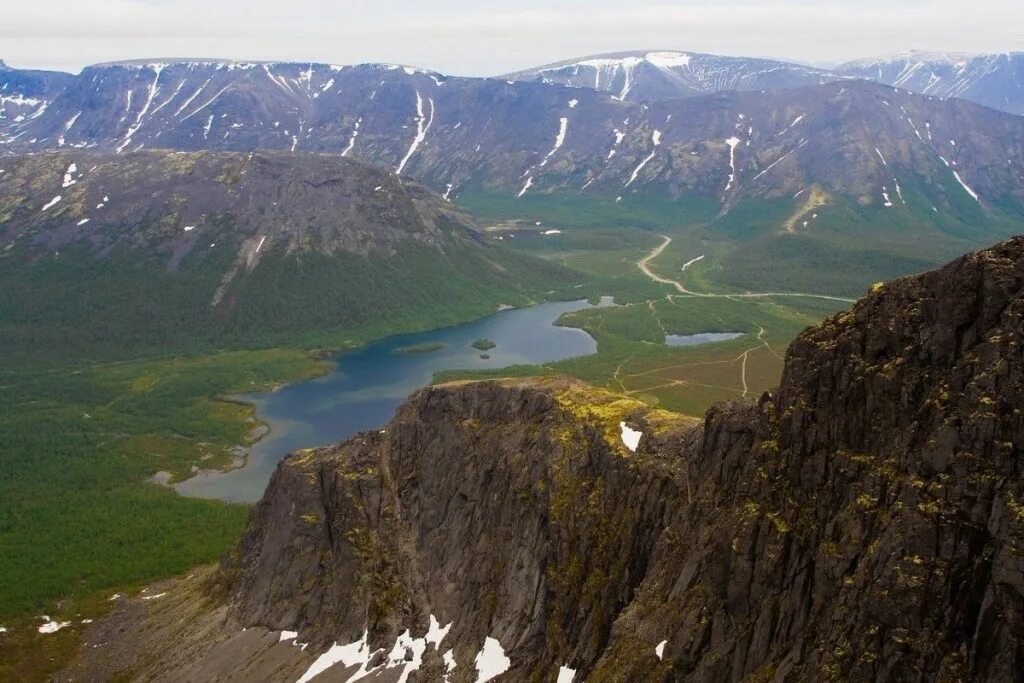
863, 523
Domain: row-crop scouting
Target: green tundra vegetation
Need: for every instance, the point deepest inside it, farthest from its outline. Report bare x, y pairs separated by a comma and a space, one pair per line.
78, 520
483, 344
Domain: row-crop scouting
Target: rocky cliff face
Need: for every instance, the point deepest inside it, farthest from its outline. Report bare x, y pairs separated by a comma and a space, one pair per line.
865, 522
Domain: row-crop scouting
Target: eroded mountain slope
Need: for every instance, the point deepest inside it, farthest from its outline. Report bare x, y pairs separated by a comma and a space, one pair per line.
169, 249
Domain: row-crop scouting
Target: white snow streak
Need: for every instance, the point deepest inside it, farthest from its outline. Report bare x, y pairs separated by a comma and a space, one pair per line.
974, 195
732, 142
563, 128
421, 129
526, 186
193, 97
150, 94
67, 127
656, 139
692, 261
170, 99
772, 165
207, 103
352, 140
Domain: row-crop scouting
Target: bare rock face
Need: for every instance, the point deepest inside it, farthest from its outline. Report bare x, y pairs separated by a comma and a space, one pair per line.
864, 523
508, 510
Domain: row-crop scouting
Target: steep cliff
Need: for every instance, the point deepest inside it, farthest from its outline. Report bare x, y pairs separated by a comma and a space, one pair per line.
863, 523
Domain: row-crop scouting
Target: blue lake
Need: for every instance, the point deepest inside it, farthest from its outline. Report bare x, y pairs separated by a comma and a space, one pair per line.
370, 383
702, 338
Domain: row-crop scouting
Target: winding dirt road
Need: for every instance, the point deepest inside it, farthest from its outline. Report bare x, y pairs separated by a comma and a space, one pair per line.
643, 265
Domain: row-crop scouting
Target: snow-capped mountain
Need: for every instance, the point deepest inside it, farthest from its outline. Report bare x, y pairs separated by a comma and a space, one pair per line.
866, 142
661, 75
994, 80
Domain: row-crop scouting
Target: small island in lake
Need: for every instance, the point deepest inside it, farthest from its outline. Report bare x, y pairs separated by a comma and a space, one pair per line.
483, 344
415, 349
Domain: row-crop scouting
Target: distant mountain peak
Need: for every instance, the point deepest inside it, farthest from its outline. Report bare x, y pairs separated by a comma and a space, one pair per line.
993, 79
653, 75
232, 64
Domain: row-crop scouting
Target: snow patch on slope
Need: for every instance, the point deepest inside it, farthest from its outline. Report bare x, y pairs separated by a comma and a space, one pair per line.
422, 126
630, 437
656, 140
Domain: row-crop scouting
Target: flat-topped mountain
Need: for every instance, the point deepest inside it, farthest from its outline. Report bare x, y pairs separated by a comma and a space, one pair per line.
861, 522
651, 76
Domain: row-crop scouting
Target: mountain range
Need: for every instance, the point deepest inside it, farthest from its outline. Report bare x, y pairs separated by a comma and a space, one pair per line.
853, 138
993, 80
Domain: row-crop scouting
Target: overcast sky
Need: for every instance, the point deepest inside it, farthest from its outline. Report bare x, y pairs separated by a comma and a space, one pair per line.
488, 37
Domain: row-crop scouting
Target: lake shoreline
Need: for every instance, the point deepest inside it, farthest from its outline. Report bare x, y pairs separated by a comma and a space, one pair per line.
189, 486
